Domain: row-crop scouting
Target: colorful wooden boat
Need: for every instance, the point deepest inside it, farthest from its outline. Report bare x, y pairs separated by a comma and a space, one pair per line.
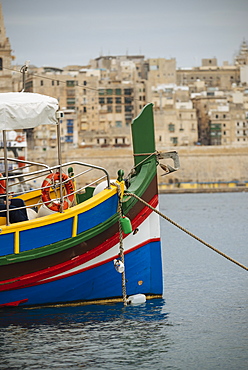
69, 251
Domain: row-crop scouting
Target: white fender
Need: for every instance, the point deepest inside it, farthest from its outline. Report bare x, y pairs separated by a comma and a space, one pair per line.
119, 266
136, 299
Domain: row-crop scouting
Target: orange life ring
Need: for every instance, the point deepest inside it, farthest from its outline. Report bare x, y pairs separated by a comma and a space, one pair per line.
45, 194
2, 185
19, 139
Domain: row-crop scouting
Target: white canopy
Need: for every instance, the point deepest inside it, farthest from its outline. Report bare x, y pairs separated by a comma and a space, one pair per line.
26, 110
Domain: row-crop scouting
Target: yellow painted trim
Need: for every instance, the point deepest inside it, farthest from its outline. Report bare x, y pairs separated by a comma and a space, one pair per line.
74, 226
17, 242
85, 303
70, 212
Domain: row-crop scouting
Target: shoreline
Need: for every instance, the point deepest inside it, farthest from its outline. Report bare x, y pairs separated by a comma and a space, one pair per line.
203, 190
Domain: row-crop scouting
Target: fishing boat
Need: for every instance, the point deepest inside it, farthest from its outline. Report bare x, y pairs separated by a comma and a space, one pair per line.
81, 243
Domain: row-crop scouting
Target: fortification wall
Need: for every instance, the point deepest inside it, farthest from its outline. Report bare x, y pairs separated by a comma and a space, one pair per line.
197, 164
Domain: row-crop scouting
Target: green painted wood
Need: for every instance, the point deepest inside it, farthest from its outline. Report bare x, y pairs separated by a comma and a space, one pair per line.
85, 196
143, 134
143, 143
59, 246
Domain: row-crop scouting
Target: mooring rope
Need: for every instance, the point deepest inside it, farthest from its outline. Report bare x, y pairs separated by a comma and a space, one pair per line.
124, 293
186, 231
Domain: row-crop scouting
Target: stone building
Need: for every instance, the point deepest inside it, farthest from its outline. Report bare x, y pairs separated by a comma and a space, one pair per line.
209, 73
6, 58
206, 104
242, 57
222, 118
161, 71
174, 115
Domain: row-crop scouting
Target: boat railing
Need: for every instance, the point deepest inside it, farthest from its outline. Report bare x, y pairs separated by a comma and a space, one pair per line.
21, 180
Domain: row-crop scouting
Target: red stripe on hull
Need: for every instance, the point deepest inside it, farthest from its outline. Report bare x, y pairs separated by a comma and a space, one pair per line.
35, 278
14, 304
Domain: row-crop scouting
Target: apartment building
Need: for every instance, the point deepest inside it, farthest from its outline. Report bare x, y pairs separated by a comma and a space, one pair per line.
211, 74
174, 115
222, 118
205, 105
161, 71
125, 67
77, 93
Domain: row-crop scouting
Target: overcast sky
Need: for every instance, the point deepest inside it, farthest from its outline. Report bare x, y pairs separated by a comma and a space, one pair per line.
62, 32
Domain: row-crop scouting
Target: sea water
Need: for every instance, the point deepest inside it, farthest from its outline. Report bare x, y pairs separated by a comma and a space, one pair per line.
201, 322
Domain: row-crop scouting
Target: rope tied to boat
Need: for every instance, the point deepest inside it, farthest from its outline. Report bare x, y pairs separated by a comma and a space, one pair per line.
121, 247
186, 231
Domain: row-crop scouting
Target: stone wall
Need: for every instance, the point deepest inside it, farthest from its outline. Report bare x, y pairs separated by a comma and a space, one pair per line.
197, 164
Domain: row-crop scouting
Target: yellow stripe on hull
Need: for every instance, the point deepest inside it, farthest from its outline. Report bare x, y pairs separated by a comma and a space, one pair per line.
56, 217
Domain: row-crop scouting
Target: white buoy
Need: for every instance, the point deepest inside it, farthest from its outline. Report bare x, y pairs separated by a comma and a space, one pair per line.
136, 299
119, 266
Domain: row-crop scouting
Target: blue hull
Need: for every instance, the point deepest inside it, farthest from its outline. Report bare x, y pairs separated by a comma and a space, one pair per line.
143, 275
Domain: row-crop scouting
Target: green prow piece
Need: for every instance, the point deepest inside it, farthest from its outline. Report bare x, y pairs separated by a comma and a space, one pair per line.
143, 134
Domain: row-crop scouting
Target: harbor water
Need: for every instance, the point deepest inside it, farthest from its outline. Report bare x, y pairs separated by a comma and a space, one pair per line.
201, 322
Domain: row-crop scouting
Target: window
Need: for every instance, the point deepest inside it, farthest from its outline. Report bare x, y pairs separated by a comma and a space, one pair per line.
109, 108
171, 127
71, 101
127, 91
52, 82
117, 91
69, 139
174, 140
69, 125
118, 100
70, 92
118, 108
128, 100
101, 100
109, 91
109, 100
101, 92
41, 83
70, 83
128, 108
118, 124
85, 83
1, 64
29, 85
